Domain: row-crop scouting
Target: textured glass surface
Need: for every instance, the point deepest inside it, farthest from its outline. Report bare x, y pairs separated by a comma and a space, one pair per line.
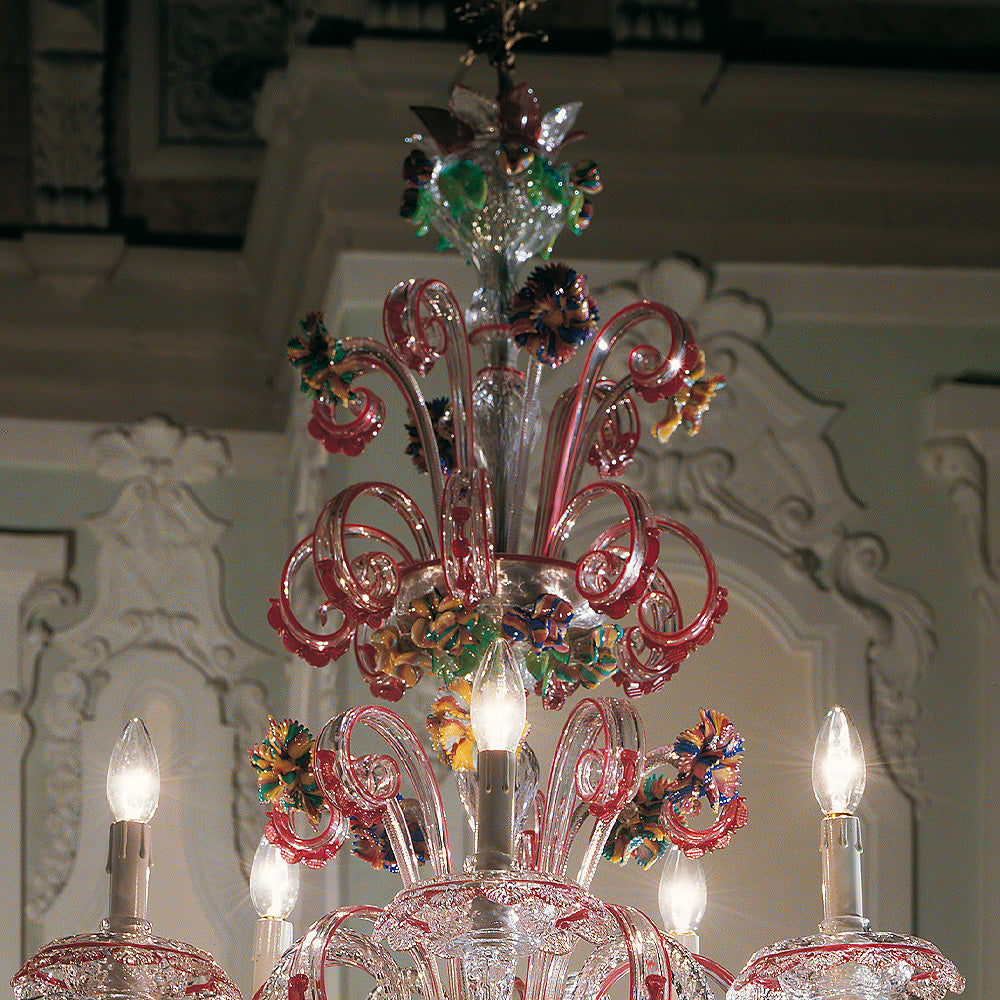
122, 965
438, 914
867, 966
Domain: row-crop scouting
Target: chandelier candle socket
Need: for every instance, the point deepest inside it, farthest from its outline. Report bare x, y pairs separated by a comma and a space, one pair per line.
846, 960
498, 713
274, 890
838, 771
133, 789
123, 960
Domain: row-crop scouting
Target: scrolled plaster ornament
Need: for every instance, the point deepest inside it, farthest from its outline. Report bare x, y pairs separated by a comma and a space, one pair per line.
763, 466
159, 603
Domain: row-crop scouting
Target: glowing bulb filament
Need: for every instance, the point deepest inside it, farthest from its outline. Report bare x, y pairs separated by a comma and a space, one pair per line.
838, 766
499, 707
134, 775
274, 884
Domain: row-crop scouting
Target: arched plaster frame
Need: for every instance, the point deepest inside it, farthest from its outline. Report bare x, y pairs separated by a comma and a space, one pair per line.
33, 582
762, 466
963, 450
157, 638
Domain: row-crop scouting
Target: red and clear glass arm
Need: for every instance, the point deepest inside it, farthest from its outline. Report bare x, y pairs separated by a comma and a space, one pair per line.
466, 536
368, 784
423, 321
364, 586
596, 764
653, 381
368, 354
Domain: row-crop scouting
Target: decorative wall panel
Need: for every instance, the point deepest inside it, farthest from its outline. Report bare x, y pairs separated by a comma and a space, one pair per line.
33, 567
156, 642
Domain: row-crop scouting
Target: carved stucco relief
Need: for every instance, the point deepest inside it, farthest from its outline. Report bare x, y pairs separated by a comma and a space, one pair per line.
963, 449
158, 598
33, 568
68, 150
763, 466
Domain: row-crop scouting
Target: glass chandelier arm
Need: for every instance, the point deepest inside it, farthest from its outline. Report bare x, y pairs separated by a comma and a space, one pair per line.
364, 586
611, 577
719, 973
608, 963
313, 852
652, 652
301, 973
371, 355
369, 784
350, 438
526, 438
315, 647
649, 968
422, 321
466, 536
555, 434
595, 850
605, 965
608, 396
603, 779
429, 975
652, 380
546, 977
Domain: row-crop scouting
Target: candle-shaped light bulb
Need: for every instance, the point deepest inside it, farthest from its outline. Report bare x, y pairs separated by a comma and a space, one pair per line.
499, 708
274, 889
838, 773
683, 897
683, 894
274, 884
838, 765
134, 775
133, 794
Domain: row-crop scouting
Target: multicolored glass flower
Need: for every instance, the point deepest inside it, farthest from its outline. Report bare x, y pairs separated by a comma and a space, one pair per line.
598, 655
320, 359
690, 403
284, 765
523, 140
552, 315
638, 832
543, 625
437, 635
439, 410
371, 842
449, 726
391, 659
707, 758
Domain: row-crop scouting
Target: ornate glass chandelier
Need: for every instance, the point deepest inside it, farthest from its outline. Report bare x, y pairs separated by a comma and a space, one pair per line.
460, 598
462, 601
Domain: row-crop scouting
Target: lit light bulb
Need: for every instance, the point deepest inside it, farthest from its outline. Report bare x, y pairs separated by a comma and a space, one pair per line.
683, 895
274, 884
838, 765
499, 708
134, 775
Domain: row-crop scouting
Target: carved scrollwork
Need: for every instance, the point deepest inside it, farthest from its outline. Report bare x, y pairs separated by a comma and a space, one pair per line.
900, 646
763, 466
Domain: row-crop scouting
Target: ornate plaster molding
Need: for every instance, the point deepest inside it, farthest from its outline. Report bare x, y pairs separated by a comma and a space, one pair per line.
158, 583
762, 466
68, 153
33, 583
963, 449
